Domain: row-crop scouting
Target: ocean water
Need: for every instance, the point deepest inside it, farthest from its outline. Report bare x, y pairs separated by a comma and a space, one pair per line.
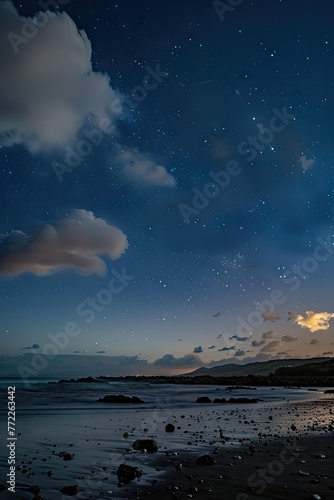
67, 417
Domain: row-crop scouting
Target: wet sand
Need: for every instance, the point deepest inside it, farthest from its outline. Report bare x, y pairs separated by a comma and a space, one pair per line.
297, 466
277, 450
277, 469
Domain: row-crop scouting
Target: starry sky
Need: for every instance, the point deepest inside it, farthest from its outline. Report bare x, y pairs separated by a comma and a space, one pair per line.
167, 183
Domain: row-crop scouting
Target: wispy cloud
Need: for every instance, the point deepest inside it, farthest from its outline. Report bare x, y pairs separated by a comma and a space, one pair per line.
239, 339
258, 343
272, 346
34, 346
288, 338
270, 315
306, 164
269, 335
142, 169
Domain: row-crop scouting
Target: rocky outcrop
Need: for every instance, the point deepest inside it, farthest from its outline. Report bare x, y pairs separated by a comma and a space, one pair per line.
112, 398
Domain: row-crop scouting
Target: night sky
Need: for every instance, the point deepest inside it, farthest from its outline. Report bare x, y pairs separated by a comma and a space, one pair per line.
167, 184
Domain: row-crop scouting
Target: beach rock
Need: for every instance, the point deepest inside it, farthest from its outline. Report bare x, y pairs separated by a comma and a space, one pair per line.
112, 398
169, 428
203, 399
240, 387
149, 445
66, 456
126, 473
35, 490
70, 490
242, 400
205, 460
220, 400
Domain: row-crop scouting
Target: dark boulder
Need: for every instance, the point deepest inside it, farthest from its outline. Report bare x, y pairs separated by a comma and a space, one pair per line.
169, 428
203, 399
149, 445
70, 490
205, 460
220, 400
126, 473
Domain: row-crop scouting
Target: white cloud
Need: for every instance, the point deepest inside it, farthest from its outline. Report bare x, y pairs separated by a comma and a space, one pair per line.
313, 321
75, 242
47, 85
140, 168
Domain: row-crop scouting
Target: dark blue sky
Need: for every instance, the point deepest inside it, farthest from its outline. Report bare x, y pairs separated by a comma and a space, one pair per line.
153, 101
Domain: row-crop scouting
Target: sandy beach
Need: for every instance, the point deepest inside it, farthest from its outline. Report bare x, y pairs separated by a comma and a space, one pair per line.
276, 469
280, 447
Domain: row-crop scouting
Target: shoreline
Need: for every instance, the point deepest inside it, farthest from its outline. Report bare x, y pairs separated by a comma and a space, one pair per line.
260, 434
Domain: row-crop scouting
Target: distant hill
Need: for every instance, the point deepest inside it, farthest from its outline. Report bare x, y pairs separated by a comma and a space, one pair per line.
313, 369
257, 368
